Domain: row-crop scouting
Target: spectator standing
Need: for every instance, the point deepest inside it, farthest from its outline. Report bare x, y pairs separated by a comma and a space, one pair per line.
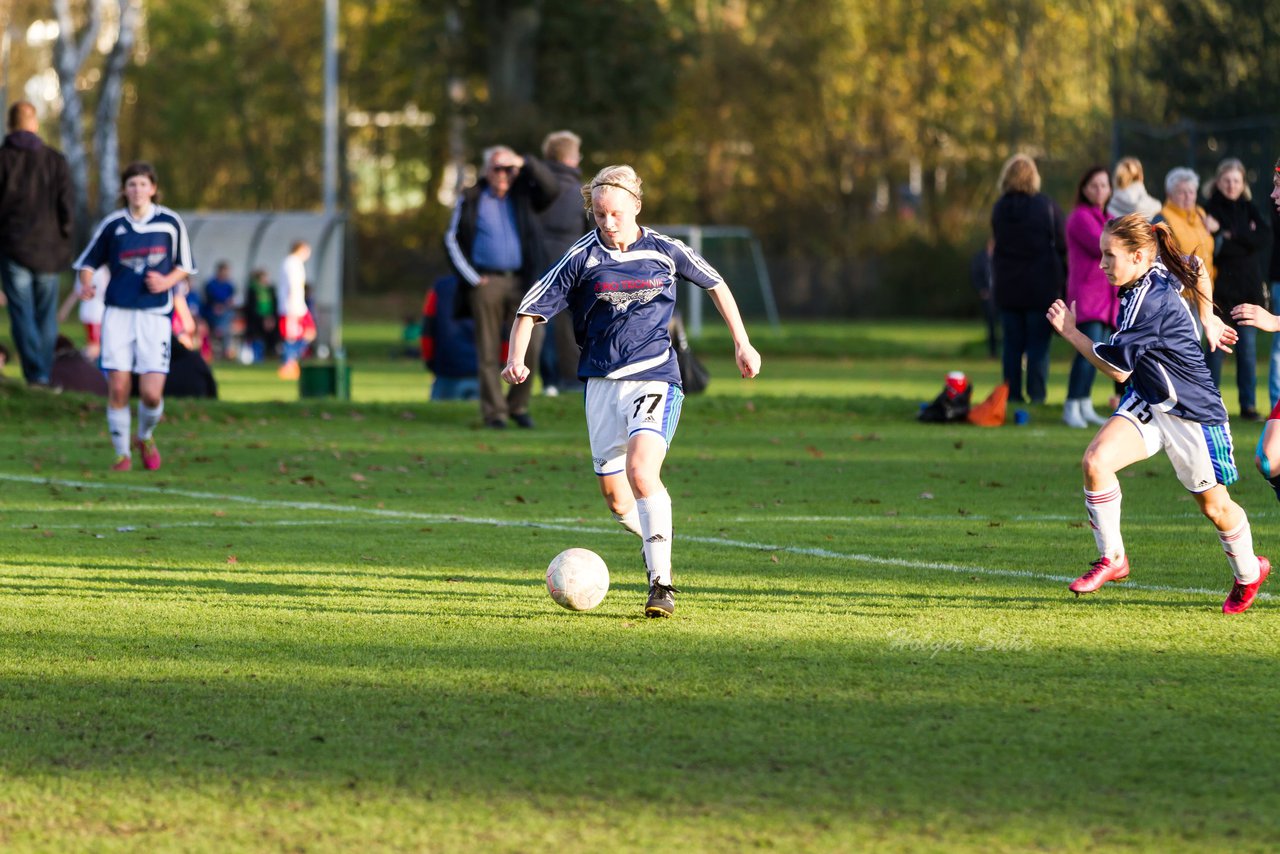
1028, 267
219, 310
1129, 193
291, 306
980, 278
1092, 298
35, 239
1192, 227
562, 224
1244, 239
495, 246
259, 318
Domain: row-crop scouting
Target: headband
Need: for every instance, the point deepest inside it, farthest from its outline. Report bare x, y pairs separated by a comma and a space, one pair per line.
597, 184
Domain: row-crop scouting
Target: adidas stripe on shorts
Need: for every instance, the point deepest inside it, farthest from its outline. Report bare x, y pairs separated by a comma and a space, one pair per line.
1201, 453
619, 409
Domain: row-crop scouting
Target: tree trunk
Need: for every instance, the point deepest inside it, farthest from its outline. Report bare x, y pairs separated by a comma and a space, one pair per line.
106, 135
69, 54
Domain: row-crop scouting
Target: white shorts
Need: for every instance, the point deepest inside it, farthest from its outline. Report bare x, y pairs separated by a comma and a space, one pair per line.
135, 341
619, 409
1201, 453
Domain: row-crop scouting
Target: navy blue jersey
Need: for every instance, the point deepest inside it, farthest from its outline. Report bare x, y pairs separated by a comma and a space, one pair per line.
1158, 341
622, 302
129, 248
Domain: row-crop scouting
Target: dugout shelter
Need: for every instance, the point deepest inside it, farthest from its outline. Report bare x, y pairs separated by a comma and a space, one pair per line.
248, 240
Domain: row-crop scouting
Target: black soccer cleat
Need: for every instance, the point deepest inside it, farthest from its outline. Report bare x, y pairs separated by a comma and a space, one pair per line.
662, 600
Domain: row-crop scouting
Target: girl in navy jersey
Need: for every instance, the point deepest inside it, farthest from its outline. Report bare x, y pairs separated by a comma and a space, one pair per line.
619, 283
146, 250
1172, 402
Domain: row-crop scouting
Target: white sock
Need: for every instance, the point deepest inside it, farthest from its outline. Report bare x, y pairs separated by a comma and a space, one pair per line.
630, 520
148, 418
655, 530
118, 426
1238, 545
1104, 519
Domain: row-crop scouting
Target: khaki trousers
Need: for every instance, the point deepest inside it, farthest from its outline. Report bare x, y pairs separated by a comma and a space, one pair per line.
493, 307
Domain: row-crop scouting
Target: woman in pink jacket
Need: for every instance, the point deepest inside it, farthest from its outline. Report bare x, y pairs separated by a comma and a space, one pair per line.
1093, 299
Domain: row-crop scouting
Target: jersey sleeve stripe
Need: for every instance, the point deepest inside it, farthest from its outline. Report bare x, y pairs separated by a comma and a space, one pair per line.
80, 263
540, 287
456, 254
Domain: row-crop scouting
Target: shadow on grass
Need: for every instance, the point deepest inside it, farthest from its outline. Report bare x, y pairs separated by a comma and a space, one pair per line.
1121, 739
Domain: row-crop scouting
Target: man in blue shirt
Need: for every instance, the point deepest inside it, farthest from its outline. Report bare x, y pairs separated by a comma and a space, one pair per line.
219, 309
495, 247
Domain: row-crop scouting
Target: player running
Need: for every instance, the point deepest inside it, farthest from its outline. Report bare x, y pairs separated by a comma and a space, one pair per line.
1171, 403
145, 246
619, 282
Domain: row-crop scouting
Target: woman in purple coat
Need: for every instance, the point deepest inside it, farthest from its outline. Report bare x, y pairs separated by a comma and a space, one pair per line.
1093, 298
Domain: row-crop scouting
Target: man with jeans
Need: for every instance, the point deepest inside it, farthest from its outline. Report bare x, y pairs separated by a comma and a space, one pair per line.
494, 244
35, 239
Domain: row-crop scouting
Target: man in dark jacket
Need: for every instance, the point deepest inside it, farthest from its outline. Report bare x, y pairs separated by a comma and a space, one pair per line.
562, 224
35, 239
494, 244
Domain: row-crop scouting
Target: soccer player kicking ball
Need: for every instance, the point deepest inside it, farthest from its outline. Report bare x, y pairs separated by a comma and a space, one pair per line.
619, 282
1172, 402
146, 250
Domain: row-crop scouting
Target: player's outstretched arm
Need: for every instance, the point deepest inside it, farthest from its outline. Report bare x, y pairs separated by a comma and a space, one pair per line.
1256, 316
1063, 321
516, 371
744, 354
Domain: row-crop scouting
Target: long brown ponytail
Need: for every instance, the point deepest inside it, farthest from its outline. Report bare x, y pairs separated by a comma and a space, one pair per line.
1135, 232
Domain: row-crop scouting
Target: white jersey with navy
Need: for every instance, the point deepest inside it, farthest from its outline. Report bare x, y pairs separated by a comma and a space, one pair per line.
621, 302
130, 247
1158, 341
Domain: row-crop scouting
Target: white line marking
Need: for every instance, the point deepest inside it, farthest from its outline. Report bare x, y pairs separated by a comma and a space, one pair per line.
874, 560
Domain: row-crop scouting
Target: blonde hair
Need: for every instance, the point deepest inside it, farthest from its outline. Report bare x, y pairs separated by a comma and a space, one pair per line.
1128, 171
1234, 163
561, 145
621, 176
1019, 175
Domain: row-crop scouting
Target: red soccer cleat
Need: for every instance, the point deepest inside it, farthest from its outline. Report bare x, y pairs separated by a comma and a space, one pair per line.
149, 452
1242, 595
123, 463
1100, 572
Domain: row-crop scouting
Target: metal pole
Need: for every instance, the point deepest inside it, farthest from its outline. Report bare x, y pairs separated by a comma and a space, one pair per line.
330, 106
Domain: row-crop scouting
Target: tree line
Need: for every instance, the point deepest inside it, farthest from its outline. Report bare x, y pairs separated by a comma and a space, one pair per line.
860, 141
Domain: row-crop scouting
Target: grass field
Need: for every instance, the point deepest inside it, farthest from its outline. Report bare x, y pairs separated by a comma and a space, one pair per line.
322, 626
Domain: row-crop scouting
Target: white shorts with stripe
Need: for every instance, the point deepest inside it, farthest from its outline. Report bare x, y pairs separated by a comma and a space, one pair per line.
619, 409
135, 341
1201, 453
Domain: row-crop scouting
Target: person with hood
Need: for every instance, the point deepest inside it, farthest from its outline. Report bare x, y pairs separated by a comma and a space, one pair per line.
1129, 194
35, 239
1094, 300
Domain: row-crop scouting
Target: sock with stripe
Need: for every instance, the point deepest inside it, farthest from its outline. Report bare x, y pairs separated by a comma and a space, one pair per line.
1104, 519
118, 426
655, 530
148, 418
1238, 546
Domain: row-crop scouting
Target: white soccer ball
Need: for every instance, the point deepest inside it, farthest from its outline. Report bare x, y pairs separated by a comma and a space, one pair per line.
578, 579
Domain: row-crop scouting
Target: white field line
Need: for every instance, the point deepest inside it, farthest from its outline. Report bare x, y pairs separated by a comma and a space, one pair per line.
577, 527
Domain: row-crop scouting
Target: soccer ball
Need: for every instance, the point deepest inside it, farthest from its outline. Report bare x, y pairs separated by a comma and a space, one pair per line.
578, 579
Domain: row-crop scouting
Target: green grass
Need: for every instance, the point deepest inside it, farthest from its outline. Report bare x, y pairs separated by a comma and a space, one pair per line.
322, 626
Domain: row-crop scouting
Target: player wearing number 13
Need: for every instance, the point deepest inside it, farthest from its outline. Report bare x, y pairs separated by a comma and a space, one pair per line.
146, 250
619, 283
1172, 403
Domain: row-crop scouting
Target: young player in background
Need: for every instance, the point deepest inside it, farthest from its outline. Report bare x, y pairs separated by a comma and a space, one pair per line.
1172, 403
146, 248
619, 282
